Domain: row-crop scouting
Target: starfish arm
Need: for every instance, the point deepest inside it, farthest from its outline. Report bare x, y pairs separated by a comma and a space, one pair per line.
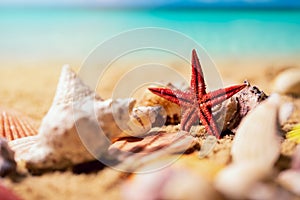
197, 81
220, 95
188, 118
176, 96
208, 121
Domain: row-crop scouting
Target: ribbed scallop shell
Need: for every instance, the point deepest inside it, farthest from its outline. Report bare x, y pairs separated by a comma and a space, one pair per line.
14, 125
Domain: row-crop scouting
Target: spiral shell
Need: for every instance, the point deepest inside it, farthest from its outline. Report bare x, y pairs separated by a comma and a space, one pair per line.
80, 126
14, 125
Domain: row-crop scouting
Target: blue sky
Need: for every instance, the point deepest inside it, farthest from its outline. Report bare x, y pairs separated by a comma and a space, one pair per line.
157, 3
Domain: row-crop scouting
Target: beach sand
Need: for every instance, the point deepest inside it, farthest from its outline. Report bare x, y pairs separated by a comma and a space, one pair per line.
30, 89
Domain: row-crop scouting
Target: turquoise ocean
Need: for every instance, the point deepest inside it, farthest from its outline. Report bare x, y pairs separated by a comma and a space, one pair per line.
45, 33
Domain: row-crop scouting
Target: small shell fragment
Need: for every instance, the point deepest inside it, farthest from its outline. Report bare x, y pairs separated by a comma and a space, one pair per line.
207, 146
14, 125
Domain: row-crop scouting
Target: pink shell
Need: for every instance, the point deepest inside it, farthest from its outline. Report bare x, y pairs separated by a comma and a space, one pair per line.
14, 125
6, 194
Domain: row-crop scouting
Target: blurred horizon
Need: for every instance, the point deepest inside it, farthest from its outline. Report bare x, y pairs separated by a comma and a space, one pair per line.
68, 30
267, 4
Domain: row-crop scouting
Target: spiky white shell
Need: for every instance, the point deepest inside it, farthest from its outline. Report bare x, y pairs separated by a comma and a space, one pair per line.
79, 126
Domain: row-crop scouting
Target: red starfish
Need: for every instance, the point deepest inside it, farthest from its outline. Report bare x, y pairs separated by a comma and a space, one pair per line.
196, 102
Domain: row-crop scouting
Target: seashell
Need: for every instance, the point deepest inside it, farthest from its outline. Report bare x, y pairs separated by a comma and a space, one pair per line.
237, 180
255, 149
14, 125
160, 185
290, 179
79, 126
207, 146
237, 107
170, 143
257, 138
172, 110
288, 82
7, 162
285, 112
7, 194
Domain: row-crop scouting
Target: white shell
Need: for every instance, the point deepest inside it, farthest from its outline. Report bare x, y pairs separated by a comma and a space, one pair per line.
236, 180
257, 138
288, 82
290, 179
168, 183
79, 126
255, 149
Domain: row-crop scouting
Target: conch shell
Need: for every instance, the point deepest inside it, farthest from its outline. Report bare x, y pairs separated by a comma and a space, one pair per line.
14, 125
255, 149
80, 126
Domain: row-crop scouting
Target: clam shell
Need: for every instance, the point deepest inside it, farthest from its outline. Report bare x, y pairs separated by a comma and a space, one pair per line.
14, 125
288, 82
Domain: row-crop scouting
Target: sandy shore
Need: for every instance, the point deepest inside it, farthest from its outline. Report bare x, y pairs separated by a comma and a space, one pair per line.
30, 90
